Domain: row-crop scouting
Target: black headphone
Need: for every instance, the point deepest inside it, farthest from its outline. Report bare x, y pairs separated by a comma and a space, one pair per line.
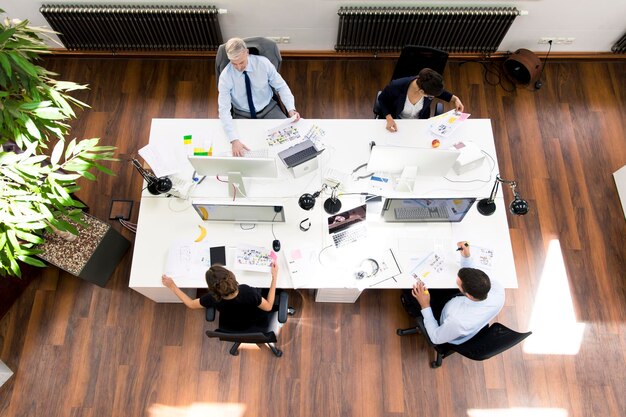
305, 227
363, 273
307, 201
160, 185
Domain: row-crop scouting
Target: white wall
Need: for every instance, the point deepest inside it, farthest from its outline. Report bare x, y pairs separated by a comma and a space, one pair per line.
312, 24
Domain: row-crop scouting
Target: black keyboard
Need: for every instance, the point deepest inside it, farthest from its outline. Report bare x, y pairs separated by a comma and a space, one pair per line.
300, 156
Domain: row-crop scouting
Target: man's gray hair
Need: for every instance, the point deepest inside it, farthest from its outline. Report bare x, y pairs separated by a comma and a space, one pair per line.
235, 47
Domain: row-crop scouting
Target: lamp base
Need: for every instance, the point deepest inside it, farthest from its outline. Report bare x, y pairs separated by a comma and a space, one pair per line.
486, 207
332, 206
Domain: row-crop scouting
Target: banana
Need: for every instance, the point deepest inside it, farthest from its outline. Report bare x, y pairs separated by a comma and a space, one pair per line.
203, 213
202, 234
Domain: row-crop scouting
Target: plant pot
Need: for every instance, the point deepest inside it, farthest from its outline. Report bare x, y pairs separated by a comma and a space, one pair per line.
92, 256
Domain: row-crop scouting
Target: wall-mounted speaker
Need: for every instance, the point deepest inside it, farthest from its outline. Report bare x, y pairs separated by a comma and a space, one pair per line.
522, 67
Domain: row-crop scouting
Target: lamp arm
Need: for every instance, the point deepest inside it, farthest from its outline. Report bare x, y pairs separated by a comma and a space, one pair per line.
150, 179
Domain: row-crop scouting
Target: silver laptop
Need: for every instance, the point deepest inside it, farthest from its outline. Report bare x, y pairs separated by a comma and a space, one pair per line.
348, 226
298, 154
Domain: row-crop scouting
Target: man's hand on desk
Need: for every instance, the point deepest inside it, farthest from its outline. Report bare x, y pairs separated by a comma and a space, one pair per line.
293, 113
421, 294
238, 148
274, 270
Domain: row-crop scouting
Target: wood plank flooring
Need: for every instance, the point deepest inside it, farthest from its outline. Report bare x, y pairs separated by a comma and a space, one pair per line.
83, 351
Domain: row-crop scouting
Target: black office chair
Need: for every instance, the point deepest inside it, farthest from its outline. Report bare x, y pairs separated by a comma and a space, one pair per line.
257, 45
266, 336
488, 342
411, 61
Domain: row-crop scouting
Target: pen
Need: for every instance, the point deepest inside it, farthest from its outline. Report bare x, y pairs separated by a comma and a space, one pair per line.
460, 248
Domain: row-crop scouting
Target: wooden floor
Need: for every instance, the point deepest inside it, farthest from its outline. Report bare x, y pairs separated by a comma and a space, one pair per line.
80, 350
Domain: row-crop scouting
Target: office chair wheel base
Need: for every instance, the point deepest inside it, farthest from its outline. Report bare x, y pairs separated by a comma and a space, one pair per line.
405, 332
277, 352
435, 365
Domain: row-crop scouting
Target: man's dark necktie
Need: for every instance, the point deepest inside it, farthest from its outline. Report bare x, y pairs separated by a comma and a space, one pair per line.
249, 94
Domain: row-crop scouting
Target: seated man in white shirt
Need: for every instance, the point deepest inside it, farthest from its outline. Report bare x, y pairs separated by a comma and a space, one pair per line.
233, 91
464, 315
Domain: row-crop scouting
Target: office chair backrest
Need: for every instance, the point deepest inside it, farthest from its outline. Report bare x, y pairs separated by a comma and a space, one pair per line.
256, 46
415, 58
489, 342
242, 337
268, 334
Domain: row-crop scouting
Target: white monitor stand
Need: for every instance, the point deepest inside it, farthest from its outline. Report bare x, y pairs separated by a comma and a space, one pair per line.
235, 185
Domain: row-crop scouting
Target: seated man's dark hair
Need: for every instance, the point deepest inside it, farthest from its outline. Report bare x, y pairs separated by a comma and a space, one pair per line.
475, 282
221, 282
430, 81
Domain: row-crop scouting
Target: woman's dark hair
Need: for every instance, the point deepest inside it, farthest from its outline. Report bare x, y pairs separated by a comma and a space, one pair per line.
221, 282
430, 81
475, 282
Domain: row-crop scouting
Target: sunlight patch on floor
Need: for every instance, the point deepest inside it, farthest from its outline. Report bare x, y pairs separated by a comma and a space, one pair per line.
518, 412
553, 321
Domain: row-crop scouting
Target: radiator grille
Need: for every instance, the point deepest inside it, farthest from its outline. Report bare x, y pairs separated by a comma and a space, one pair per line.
452, 29
119, 28
620, 46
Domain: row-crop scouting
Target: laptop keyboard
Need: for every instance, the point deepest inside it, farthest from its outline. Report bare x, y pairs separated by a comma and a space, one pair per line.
300, 156
418, 213
349, 235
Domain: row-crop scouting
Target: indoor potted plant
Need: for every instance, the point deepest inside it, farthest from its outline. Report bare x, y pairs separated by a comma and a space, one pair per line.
38, 169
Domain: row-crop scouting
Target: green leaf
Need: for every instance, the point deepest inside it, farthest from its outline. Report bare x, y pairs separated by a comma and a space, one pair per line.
89, 175
31, 261
6, 65
50, 113
70, 148
32, 129
7, 34
29, 237
104, 169
56, 153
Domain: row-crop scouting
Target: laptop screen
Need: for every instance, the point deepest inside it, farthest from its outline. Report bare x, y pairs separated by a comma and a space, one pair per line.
426, 209
345, 219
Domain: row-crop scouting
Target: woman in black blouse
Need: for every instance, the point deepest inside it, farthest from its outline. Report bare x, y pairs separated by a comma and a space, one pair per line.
240, 306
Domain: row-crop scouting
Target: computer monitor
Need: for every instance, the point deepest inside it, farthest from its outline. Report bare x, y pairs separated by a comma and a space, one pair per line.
427, 162
235, 168
415, 210
239, 212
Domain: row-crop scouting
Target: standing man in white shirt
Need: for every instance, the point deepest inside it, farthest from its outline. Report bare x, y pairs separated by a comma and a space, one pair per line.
245, 85
479, 301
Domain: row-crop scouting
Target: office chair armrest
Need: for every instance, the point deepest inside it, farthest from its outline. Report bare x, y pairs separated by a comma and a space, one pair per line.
419, 321
210, 314
438, 108
283, 300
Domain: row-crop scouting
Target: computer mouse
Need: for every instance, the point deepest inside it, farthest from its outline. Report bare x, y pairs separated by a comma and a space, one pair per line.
276, 245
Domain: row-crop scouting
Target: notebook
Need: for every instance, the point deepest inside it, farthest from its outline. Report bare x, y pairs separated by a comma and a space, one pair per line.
348, 226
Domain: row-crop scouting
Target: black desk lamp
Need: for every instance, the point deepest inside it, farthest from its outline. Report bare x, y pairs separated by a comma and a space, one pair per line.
332, 204
487, 206
156, 185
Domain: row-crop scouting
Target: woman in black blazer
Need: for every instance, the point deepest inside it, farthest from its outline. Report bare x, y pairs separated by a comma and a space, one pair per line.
410, 97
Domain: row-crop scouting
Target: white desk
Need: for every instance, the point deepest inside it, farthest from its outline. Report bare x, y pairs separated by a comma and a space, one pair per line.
162, 221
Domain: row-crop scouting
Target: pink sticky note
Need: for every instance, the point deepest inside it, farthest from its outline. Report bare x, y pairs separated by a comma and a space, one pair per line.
273, 256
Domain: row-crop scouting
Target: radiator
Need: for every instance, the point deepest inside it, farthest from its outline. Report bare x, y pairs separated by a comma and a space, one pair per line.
119, 28
620, 46
452, 29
